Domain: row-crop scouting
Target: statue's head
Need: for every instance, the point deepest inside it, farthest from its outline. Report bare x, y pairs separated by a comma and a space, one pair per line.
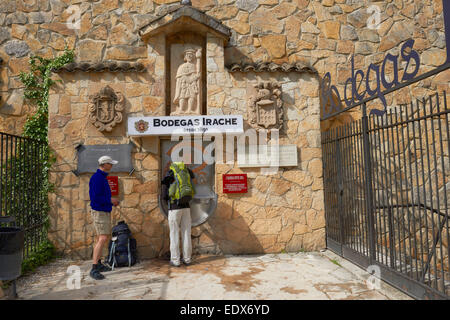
189, 55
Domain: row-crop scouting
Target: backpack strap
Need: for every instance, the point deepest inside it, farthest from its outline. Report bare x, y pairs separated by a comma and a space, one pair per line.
112, 254
175, 169
129, 253
176, 175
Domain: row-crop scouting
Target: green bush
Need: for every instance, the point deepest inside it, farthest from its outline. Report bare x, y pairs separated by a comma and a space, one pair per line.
44, 254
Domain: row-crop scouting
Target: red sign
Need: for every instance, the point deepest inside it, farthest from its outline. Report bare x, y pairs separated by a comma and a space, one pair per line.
114, 185
235, 183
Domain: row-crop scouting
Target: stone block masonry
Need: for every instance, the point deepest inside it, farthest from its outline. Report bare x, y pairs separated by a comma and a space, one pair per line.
322, 34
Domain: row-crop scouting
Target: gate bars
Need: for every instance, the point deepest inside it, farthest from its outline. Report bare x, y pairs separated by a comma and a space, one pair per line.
21, 192
387, 198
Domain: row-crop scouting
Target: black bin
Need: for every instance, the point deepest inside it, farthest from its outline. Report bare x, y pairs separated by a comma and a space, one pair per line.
11, 252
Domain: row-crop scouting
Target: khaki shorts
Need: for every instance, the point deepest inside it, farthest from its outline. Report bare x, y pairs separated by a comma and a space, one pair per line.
102, 221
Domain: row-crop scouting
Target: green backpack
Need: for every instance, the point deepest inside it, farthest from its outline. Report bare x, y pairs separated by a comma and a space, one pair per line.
181, 190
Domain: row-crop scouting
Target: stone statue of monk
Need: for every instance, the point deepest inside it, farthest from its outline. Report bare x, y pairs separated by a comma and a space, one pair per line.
187, 87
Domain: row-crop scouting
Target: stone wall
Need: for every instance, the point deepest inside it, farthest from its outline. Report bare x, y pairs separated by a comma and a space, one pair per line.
71, 223
283, 211
322, 34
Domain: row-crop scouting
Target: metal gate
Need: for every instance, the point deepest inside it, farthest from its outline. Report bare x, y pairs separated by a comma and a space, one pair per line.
21, 192
386, 182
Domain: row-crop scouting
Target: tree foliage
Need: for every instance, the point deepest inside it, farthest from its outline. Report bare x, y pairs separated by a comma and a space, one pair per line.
37, 87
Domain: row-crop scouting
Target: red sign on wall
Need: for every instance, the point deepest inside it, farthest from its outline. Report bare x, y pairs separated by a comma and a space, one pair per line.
114, 185
235, 183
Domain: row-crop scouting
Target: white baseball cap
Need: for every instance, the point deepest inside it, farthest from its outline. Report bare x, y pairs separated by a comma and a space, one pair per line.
106, 159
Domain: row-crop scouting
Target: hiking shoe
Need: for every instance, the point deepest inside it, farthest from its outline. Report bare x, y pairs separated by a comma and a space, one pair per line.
187, 263
95, 274
102, 267
173, 264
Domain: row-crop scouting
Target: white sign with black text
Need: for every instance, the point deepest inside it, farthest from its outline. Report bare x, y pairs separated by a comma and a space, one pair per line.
283, 156
144, 126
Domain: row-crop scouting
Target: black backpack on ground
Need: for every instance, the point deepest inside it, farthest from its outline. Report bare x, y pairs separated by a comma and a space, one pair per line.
122, 247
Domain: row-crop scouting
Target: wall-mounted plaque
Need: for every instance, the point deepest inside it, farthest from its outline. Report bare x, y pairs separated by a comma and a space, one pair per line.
146, 126
88, 157
235, 183
258, 157
288, 156
113, 184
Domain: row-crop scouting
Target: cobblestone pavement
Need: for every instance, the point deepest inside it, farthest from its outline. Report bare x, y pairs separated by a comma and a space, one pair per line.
310, 275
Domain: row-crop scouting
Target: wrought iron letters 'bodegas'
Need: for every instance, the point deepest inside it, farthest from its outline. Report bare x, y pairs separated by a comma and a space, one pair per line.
331, 106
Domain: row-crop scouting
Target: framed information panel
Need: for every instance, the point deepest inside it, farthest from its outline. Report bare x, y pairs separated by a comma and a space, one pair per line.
113, 182
88, 156
235, 183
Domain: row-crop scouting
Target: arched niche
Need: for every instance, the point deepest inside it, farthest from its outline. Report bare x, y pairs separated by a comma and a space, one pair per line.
185, 28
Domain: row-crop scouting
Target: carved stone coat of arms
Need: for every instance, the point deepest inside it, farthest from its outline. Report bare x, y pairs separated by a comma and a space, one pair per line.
265, 108
105, 109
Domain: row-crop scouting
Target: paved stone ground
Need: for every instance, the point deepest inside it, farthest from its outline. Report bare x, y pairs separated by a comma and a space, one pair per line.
310, 275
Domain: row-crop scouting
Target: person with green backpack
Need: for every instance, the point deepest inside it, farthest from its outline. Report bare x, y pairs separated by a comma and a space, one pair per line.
178, 190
